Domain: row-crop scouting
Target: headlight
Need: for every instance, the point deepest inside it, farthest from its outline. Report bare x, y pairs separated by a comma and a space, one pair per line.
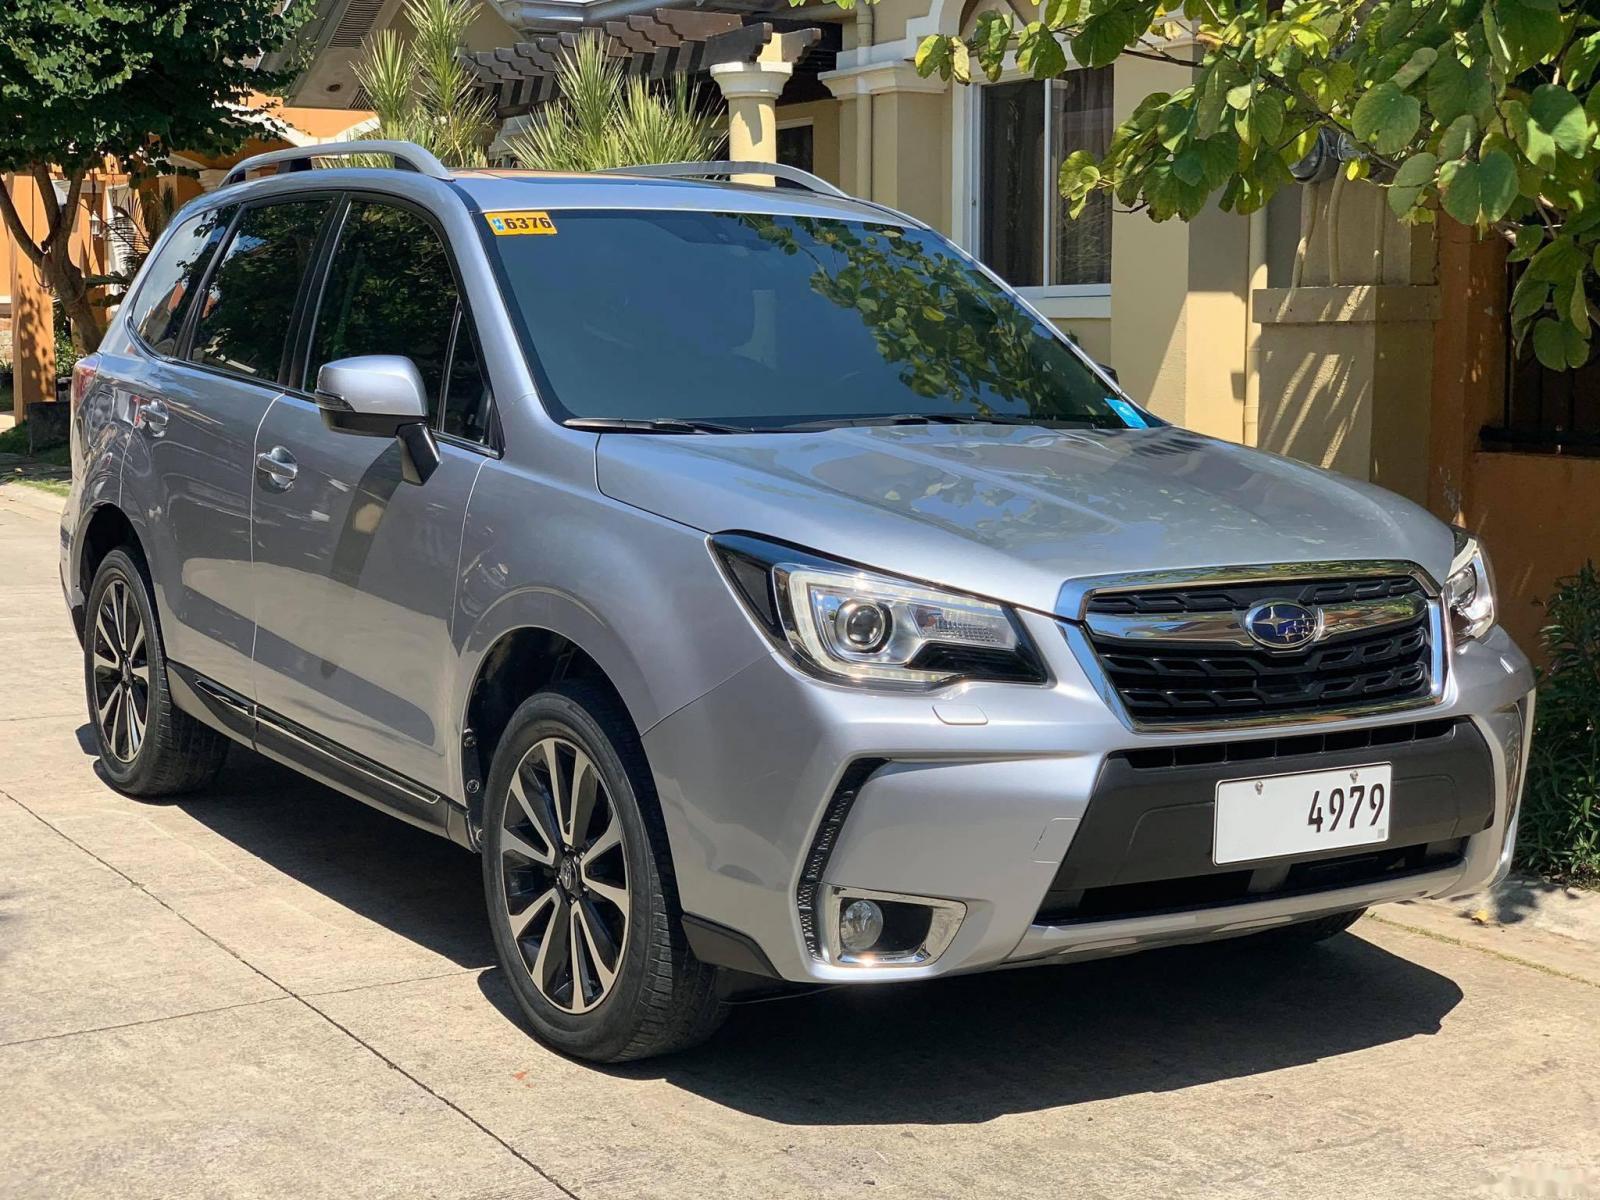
1469, 592
852, 625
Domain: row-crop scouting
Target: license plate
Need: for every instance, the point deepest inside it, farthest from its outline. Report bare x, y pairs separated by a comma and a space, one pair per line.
1275, 815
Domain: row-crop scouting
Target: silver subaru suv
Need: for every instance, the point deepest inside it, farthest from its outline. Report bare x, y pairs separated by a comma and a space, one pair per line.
764, 591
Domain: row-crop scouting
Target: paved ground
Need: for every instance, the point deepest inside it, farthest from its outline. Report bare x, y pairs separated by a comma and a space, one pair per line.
270, 990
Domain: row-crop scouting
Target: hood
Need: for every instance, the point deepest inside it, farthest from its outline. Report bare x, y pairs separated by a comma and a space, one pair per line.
1014, 512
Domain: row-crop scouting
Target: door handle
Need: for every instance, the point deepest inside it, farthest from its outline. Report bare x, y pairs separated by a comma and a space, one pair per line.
151, 415
278, 466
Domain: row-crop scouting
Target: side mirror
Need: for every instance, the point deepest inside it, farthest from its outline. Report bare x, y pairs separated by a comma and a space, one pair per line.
381, 395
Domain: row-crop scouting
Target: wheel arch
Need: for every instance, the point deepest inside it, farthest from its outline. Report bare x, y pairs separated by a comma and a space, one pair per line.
106, 528
519, 662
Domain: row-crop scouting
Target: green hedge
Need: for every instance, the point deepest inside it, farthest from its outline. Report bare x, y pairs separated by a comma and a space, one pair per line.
1560, 830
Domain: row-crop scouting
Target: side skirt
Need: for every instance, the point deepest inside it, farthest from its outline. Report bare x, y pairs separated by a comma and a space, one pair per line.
315, 756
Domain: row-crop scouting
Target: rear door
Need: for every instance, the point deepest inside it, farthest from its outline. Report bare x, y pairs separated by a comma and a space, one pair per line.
355, 569
217, 332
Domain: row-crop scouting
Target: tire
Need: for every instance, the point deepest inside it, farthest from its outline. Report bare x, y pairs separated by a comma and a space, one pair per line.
1308, 933
593, 871
147, 745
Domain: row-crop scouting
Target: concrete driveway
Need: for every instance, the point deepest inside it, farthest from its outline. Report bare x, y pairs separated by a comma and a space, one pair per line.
270, 990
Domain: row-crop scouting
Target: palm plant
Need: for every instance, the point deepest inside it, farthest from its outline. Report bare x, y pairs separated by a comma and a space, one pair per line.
422, 90
602, 120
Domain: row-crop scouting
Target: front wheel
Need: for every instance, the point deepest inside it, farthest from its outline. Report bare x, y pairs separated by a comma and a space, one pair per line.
580, 888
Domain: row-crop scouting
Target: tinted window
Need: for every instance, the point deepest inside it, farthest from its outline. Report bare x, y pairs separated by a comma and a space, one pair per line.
250, 301
466, 402
762, 320
158, 310
389, 291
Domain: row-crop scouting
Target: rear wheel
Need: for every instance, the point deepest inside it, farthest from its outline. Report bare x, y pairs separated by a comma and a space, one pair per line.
580, 888
148, 747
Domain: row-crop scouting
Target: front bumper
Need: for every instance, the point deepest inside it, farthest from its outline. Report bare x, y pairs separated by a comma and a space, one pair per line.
975, 795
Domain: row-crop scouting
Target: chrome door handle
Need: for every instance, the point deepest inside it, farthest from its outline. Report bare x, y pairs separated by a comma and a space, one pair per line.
151, 415
278, 466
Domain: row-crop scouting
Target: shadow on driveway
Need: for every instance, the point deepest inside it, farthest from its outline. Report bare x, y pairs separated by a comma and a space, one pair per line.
941, 1052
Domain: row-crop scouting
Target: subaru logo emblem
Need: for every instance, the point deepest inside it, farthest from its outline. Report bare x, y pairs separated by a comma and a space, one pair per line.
1282, 624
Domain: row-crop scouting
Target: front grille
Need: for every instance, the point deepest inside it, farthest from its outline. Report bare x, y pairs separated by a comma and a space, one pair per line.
1170, 680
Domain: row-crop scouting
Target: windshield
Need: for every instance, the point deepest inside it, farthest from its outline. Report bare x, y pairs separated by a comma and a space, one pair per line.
758, 321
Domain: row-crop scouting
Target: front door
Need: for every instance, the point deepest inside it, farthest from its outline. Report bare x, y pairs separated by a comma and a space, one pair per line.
195, 420
355, 569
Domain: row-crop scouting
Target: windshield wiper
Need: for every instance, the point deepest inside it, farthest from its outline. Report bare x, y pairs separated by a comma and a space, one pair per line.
650, 425
942, 419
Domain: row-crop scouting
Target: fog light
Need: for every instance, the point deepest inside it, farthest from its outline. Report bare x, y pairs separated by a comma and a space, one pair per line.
860, 925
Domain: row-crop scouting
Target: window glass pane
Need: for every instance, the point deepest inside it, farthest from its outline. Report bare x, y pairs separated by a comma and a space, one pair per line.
1011, 181
158, 310
1080, 119
761, 321
249, 305
796, 147
466, 402
389, 291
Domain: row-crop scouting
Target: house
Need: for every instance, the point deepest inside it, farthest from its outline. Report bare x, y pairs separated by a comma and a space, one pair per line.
112, 229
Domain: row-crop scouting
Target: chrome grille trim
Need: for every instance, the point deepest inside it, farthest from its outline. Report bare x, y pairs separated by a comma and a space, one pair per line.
1208, 628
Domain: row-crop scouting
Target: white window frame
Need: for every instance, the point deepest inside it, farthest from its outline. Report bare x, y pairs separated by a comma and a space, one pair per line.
1061, 301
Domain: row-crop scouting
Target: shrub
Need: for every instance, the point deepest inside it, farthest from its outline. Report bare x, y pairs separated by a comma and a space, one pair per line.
1560, 830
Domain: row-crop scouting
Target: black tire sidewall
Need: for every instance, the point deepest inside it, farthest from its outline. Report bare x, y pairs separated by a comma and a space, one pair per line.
119, 564
603, 1031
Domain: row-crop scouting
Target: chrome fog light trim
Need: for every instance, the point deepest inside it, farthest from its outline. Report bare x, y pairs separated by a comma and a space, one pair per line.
944, 919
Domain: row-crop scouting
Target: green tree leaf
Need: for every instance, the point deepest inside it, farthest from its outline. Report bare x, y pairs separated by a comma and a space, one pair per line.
1039, 51
1480, 192
1414, 174
991, 37
1455, 89
1458, 139
1058, 14
1386, 118
1560, 115
1550, 343
1105, 36
1422, 58
933, 56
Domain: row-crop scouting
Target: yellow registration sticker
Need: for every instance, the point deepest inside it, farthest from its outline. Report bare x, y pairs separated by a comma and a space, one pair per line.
510, 224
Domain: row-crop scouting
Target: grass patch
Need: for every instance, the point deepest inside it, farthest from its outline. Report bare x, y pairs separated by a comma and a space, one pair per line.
56, 487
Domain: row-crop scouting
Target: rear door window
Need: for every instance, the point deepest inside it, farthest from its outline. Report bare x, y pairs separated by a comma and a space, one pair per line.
249, 305
390, 290
158, 308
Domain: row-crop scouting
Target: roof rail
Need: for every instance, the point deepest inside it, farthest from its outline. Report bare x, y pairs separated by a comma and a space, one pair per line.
407, 155
697, 170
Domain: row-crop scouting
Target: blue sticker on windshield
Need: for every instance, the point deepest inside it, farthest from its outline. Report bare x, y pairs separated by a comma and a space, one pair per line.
1130, 415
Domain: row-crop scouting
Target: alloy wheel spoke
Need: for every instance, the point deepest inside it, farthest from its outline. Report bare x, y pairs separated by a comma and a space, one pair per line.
104, 620
554, 952
104, 659
535, 810
136, 652
107, 710
604, 960
119, 723
610, 837
510, 843
521, 920
119, 609
580, 804
579, 952
135, 725
610, 892
552, 765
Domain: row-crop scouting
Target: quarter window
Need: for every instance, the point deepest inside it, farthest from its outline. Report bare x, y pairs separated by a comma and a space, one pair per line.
162, 301
250, 302
390, 290
1026, 130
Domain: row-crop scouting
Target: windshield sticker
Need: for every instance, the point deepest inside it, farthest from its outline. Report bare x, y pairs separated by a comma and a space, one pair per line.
509, 224
1130, 415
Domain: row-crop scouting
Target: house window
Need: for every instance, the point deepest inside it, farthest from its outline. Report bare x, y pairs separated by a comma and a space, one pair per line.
1025, 130
796, 146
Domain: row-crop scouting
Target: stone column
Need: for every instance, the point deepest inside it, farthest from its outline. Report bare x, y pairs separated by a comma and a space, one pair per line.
752, 90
